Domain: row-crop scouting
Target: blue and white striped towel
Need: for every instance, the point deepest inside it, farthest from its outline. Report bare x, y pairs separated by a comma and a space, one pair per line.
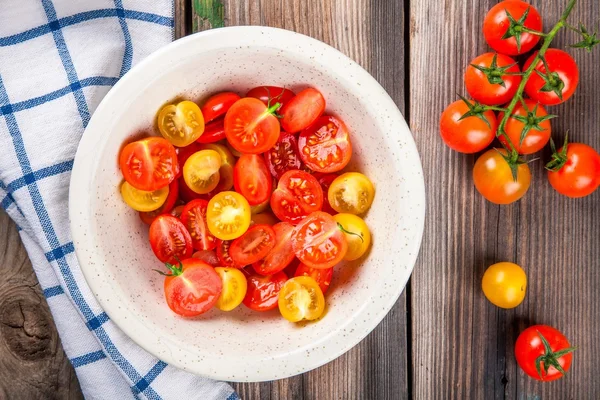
58, 58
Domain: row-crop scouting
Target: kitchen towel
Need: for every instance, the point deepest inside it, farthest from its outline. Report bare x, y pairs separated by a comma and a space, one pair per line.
58, 58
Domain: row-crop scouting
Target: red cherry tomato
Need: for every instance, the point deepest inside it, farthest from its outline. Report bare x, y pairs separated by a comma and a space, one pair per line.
149, 164
579, 175
281, 255
208, 256
271, 95
224, 256
251, 127
297, 194
532, 122
493, 178
318, 242
263, 291
321, 276
193, 217
561, 82
497, 23
469, 135
186, 194
218, 105
283, 156
169, 239
325, 145
253, 245
213, 132
192, 287
492, 83
176, 212
304, 109
251, 179
325, 181
149, 217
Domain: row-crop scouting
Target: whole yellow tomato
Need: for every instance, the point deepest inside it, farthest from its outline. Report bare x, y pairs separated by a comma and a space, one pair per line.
504, 284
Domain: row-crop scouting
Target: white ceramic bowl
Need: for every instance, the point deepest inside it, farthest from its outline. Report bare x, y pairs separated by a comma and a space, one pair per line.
112, 244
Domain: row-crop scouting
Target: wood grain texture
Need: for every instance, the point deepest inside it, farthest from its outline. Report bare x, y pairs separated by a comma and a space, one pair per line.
462, 344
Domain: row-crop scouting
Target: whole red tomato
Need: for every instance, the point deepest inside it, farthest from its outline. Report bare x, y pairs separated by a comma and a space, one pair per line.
554, 81
575, 170
528, 127
467, 135
505, 24
490, 79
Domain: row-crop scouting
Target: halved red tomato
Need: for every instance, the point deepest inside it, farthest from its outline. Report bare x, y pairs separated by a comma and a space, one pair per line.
321, 276
208, 256
252, 179
176, 212
325, 145
149, 164
298, 194
149, 217
224, 256
251, 127
325, 181
271, 95
301, 111
283, 156
253, 245
318, 242
218, 105
213, 132
169, 239
186, 194
263, 291
193, 217
282, 253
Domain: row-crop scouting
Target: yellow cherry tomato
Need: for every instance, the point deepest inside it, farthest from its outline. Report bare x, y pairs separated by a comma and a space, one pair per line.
181, 124
232, 150
504, 284
357, 235
234, 288
227, 163
228, 215
266, 218
141, 200
301, 298
201, 171
351, 193
259, 208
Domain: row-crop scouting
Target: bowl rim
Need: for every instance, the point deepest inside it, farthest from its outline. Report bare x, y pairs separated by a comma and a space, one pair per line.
82, 168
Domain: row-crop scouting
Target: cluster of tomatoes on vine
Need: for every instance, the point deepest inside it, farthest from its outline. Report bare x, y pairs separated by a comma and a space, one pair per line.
511, 103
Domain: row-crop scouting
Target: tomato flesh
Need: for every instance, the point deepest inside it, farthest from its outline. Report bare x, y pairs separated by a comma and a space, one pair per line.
234, 288
148, 217
170, 239
301, 111
318, 242
224, 256
283, 156
321, 276
250, 127
253, 245
301, 298
281, 255
228, 215
297, 195
263, 291
325, 180
325, 145
193, 218
149, 164
181, 124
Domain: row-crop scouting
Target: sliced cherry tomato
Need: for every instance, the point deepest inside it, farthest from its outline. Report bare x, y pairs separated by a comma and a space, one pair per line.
251, 127
228, 215
169, 239
226, 169
148, 217
208, 256
271, 95
201, 171
183, 153
213, 132
176, 212
301, 111
494, 180
283, 156
252, 179
351, 193
301, 298
318, 241
281, 255
259, 208
181, 124
504, 284
357, 235
141, 200
575, 171
490, 79
253, 245
234, 288
467, 135
232, 150
321, 276
193, 217
149, 164
186, 194
224, 256
528, 128
263, 291
555, 84
192, 287
297, 195
325, 180
325, 145
218, 105
264, 218
509, 38
543, 353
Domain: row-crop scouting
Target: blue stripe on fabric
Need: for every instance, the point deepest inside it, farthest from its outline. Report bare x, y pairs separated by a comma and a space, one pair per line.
60, 252
128, 53
67, 61
42, 173
88, 358
144, 384
53, 291
96, 322
233, 396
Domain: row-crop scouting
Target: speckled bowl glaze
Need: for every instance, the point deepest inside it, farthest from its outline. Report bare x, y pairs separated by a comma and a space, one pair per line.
111, 242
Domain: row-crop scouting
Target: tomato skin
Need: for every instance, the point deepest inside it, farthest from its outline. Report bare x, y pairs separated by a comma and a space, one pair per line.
504, 284
224, 256
234, 288
141, 200
359, 238
195, 290
281, 255
325, 180
149, 217
252, 179
213, 132
149, 164
321, 276
218, 105
301, 111
193, 218
208, 256
170, 239
283, 156
325, 145
250, 127
496, 23
479, 87
253, 245
535, 140
297, 194
351, 192
318, 242
263, 291
580, 175
559, 62
226, 169
529, 347
264, 218
186, 194
271, 95
470, 135
493, 178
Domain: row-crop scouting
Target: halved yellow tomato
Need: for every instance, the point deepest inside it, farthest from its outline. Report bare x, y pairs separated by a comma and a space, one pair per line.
227, 163
181, 124
201, 171
140, 200
351, 193
228, 215
357, 235
234, 288
301, 298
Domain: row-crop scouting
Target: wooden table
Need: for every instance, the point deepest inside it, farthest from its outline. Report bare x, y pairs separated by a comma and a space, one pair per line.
443, 339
